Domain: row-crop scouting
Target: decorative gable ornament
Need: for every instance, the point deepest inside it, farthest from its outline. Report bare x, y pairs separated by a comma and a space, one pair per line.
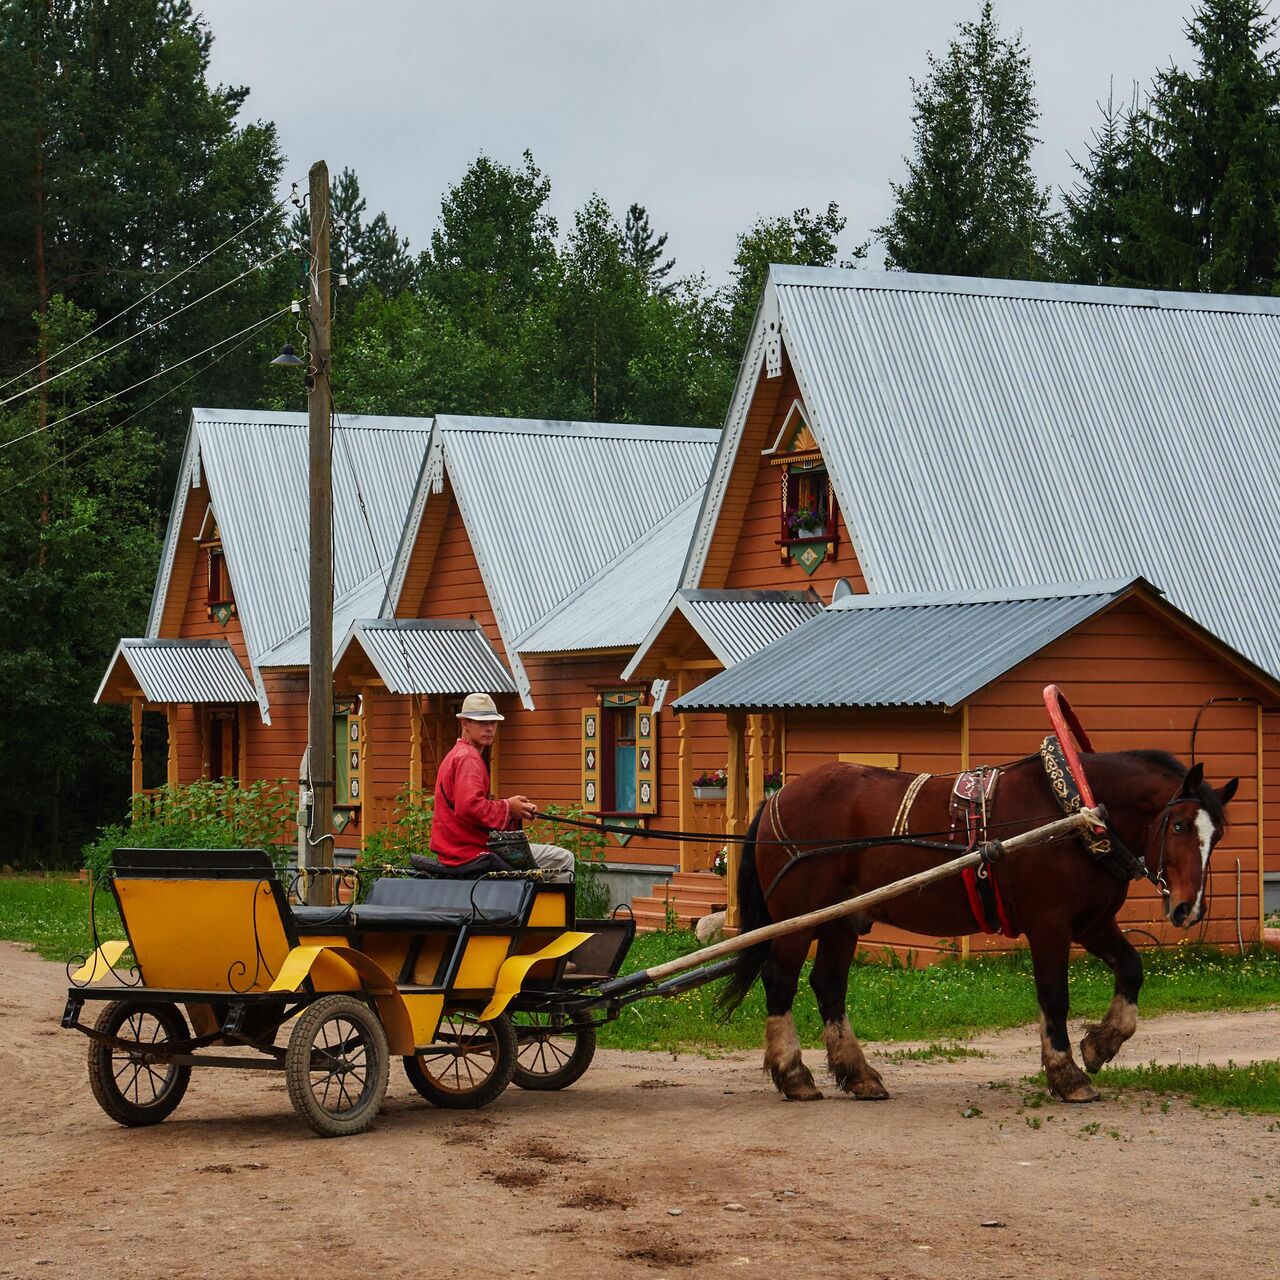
772, 335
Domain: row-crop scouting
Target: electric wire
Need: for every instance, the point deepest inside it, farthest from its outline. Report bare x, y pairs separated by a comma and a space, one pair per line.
17, 377
106, 351
35, 431
116, 426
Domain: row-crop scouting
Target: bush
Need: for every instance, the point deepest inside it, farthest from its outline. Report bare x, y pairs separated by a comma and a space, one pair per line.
409, 833
587, 847
202, 815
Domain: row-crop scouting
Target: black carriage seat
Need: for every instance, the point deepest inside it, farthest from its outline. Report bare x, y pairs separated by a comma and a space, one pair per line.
407, 905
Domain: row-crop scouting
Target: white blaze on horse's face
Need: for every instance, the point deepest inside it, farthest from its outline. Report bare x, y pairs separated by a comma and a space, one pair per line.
1207, 832
1182, 908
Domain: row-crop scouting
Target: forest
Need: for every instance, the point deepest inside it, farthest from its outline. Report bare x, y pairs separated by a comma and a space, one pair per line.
150, 251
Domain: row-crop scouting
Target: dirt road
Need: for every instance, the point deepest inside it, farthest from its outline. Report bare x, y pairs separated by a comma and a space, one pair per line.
649, 1166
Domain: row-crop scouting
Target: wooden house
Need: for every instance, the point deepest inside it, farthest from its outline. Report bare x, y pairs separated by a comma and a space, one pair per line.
935, 454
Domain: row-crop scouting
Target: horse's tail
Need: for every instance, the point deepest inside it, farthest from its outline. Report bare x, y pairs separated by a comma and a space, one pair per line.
752, 913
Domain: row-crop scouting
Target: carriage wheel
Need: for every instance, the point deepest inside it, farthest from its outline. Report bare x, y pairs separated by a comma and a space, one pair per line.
336, 1066
473, 1068
132, 1081
555, 1050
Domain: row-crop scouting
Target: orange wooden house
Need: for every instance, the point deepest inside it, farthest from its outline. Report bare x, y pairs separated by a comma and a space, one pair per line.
927, 454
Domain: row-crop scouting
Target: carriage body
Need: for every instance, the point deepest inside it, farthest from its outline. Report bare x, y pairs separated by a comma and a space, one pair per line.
462, 979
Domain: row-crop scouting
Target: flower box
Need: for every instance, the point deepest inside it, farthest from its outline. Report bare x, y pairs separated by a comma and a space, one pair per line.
710, 793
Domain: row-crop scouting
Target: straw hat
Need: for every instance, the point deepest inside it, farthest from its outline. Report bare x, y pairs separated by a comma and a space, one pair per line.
479, 706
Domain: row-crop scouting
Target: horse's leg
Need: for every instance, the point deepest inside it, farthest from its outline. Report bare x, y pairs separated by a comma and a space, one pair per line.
830, 982
1050, 949
781, 977
1102, 1042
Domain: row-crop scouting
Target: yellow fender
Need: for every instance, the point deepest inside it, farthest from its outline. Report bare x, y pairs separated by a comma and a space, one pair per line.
513, 971
101, 963
391, 1007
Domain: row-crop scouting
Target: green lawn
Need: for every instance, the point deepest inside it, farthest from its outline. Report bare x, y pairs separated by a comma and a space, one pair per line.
1254, 1088
946, 1002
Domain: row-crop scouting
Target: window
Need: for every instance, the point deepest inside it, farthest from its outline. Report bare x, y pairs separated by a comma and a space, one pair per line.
620, 755
222, 743
808, 530
347, 761
220, 598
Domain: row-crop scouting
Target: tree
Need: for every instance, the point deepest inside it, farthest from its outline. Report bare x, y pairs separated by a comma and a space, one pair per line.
1209, 216
644, 250
803, 239
971, 204
494, 247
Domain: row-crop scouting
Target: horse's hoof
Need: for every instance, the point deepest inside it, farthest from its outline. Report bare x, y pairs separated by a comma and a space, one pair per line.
803, 1093
869, 1091
1083, 1093
1092, 1055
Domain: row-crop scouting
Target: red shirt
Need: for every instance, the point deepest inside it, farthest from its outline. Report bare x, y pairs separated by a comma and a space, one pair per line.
464, 814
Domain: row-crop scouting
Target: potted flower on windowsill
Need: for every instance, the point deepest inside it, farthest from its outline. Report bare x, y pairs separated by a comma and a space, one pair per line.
806, 522
711, 786
773, 782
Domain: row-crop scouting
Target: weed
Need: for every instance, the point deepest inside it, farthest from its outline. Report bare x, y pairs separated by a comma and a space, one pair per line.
1033, 1122
934, 1052
1091, 1128
1254, 1088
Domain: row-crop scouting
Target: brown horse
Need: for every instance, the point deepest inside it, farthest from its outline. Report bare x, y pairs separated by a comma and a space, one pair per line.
1054, 894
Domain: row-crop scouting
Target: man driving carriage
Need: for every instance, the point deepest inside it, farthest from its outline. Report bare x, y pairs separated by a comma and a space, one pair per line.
464, 811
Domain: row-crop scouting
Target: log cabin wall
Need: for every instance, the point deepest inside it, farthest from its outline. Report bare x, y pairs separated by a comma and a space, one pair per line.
1271, 790
1138, 682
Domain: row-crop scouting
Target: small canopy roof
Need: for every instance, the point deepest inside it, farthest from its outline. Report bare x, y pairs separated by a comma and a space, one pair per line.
423, 655
732, 624
932, 649
172, 671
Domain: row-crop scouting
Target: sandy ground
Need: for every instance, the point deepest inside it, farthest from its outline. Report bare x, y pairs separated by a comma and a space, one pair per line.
649, 1166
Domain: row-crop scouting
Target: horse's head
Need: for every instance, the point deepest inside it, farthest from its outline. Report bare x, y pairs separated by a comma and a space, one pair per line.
1184, 834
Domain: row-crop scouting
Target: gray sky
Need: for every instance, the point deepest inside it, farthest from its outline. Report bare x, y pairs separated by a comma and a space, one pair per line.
708, 112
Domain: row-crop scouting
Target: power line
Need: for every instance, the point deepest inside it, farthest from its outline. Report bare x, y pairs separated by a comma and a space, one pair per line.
102, 435
158, 289
35, 431
106, 351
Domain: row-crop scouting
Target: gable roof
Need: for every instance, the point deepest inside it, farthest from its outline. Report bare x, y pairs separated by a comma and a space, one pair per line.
547, 505
255, 467
932, 649
983, 434
732, 624
616, 606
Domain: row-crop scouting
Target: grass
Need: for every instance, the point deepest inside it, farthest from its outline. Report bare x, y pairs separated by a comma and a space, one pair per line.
939, 1005
1254, 1088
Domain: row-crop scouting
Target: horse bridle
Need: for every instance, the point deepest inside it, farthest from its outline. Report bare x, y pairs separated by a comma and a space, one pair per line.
1162, 833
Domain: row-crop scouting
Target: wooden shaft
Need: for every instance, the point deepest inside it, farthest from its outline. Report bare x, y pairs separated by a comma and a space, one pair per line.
1063, 827
320, 701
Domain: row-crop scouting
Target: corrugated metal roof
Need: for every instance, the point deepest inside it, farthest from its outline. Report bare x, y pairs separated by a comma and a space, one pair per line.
549, 504
255, 465
733, 624
883, 651
983, 434
183, 671
615, 608
431, 656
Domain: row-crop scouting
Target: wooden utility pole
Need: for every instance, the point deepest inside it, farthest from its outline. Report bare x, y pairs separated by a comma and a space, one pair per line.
320, 414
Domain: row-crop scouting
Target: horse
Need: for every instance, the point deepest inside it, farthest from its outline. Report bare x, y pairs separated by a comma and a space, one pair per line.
1055, 895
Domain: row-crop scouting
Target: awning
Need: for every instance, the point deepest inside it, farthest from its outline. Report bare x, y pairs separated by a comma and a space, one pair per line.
424, 655
175, 671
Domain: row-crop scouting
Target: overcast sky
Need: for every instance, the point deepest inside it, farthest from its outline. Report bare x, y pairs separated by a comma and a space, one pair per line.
709, 112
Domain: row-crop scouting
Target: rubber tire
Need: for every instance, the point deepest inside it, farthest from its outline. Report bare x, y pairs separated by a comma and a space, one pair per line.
584, 1049
489, 1088
297, 1067
102, 1078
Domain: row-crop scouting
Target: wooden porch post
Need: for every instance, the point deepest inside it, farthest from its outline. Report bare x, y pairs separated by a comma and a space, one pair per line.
755, 765
171, 719
366, 773
135, 777
733, 811
242, 763
684, 777
415, 744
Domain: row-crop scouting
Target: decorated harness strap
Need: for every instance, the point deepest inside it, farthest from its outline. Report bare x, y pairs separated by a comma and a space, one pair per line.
972, 803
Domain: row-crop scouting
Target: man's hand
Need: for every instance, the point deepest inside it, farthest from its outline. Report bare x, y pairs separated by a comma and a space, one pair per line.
522, 807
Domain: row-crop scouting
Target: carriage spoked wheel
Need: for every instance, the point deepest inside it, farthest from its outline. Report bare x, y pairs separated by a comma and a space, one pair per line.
555, 1049
470, 1063
132, 1079
335, 1066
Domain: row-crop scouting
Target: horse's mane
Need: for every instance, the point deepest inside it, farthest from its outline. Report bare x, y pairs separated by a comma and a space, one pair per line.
1169, 764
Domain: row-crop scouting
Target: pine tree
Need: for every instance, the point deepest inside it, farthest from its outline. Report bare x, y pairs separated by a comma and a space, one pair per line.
971, 204
1209, 216
645, 251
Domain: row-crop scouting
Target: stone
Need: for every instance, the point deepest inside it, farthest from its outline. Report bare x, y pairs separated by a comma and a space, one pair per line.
709, 926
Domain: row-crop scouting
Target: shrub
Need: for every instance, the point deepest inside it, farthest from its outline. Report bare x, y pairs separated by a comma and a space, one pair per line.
587, 846
410, 832
206, 814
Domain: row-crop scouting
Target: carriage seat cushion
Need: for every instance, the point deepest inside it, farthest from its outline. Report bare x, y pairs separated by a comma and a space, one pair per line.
403, 904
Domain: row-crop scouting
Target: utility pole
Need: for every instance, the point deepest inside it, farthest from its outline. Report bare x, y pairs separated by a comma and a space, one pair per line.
320, 415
